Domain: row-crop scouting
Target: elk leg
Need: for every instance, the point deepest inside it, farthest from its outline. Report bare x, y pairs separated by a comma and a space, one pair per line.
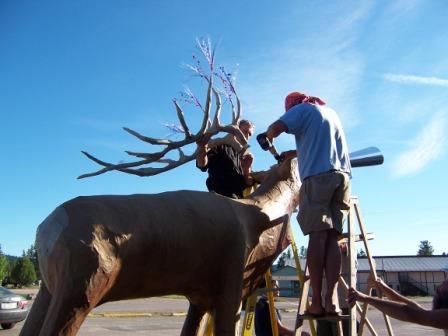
229, 300
226, 316
192, 320
71, 303
68, 309
36, 317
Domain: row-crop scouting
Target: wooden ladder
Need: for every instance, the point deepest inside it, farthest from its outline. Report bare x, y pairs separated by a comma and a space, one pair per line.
351, 238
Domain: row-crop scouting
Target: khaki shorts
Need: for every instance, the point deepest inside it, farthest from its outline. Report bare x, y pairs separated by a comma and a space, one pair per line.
324, 202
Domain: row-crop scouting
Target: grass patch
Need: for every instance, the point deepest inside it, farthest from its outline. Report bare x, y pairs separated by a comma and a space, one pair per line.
174, 296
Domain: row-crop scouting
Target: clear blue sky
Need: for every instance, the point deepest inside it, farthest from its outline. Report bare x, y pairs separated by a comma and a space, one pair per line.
72, 73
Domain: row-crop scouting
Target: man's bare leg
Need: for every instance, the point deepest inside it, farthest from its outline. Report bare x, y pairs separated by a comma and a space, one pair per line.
332, 270
316, 261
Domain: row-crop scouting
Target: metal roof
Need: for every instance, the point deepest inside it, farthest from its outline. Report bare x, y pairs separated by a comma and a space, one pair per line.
406, 263
436, 263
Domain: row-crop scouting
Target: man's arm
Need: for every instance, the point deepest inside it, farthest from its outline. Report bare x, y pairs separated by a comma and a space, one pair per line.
259, 176
283, 330
402, 311
246, 165
275, 129
393, 295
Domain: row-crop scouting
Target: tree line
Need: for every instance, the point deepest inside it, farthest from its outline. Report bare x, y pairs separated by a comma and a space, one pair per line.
19, 271
24, 270
424, 249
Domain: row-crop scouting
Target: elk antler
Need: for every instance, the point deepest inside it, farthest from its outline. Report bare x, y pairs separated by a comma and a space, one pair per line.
208, 128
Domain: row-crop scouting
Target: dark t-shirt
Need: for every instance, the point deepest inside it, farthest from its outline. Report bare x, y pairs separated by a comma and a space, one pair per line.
225, 173
263, 317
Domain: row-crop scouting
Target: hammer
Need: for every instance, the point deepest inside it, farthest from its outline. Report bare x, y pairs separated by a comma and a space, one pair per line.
267, 145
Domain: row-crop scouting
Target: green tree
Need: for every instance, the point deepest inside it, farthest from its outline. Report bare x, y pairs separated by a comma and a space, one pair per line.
3, 266
11, 264
31, 253
281, 260
361, 253
425, 248
288, 253
23, 273
303, 252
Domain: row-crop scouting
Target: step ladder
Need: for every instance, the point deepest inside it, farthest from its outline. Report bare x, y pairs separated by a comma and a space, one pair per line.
350, 238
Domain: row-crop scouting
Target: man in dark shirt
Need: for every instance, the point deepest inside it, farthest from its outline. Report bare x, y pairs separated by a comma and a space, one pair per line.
263, 317
228, 165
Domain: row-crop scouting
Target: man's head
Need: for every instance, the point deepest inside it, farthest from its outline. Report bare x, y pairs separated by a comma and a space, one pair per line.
440, 300
274, 285
293, 99
296, 98
247, 128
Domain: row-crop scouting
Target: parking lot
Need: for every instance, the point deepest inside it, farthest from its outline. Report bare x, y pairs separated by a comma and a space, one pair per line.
165, 316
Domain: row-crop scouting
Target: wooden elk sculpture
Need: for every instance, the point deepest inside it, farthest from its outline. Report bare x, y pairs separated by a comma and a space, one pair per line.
207, 247
97, 249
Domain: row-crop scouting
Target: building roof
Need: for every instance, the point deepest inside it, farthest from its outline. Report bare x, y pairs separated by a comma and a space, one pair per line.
406, 263
291, 262
437, 263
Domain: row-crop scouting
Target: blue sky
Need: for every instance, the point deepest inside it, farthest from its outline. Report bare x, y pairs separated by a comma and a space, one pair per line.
73, 73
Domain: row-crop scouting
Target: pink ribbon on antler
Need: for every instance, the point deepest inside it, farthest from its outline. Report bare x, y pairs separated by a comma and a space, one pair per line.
295, 98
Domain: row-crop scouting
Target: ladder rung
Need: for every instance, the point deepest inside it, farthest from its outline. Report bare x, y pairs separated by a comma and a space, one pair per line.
358, 237
328, 317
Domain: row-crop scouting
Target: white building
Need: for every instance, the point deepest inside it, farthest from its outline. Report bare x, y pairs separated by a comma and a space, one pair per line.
409, 275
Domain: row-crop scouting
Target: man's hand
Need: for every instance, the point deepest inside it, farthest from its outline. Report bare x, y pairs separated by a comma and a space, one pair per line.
247, 161
246, 165
259, 176
289, 154
353, 296
378, 284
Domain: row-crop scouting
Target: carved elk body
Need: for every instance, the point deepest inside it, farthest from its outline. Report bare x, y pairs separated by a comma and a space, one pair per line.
208, 247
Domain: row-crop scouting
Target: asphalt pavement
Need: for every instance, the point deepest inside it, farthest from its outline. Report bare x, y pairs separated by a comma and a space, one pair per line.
165, 316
